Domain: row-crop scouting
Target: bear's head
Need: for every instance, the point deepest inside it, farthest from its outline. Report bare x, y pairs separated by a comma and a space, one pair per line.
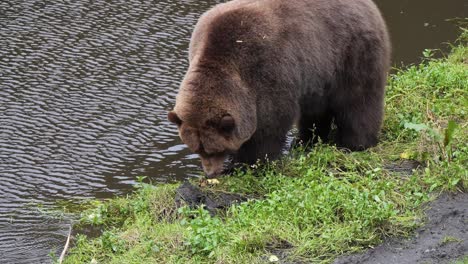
215, 117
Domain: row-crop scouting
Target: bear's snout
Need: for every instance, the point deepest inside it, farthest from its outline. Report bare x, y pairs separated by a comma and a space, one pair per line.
213, 166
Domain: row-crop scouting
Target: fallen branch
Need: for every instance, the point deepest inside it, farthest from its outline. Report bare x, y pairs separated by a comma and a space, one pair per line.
66, 245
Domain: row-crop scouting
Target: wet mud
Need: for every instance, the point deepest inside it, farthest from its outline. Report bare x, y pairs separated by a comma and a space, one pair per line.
442, 239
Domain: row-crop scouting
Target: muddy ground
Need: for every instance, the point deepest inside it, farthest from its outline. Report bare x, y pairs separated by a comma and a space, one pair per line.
442, 239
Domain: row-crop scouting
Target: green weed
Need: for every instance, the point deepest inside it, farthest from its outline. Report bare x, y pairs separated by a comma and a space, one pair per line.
450, 239
205, 232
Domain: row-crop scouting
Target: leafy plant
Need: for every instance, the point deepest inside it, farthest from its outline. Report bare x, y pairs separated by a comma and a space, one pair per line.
443, 140
205, 232
111, 241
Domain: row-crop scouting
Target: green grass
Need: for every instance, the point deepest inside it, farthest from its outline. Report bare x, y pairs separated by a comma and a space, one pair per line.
450, 239
311, 206
462, 261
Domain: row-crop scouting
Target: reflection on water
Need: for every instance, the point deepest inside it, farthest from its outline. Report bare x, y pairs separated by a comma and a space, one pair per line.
84, 91
416, 25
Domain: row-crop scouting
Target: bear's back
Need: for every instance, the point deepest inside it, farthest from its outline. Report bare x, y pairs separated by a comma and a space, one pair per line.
240, 30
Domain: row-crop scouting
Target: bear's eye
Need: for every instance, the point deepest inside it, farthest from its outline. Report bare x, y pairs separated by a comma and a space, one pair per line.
227, 124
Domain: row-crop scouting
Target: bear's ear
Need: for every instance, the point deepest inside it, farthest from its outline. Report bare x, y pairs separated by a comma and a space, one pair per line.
173, 118
227, 124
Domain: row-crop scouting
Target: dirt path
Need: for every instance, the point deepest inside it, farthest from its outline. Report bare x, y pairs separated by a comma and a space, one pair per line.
443, 239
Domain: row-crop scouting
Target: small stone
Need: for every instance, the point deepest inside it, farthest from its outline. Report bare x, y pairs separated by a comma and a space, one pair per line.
213, 181
273, 258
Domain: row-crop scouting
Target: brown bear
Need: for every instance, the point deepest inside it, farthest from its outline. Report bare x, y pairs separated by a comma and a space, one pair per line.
259, 66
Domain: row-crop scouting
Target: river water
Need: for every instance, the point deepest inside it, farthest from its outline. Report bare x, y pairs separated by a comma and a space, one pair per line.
84, 91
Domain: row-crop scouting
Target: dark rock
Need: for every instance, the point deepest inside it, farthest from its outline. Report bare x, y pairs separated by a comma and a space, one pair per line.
214, 202
190, 194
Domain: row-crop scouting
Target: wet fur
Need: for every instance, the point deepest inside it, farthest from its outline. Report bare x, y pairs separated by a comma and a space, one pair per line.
271, 63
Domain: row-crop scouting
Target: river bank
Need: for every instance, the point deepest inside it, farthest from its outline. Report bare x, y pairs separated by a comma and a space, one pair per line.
313, 205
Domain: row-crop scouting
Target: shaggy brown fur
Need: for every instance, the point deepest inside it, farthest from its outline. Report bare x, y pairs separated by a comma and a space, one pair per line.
257, 66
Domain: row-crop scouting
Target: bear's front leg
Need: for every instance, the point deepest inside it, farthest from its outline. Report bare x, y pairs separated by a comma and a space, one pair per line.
260, 148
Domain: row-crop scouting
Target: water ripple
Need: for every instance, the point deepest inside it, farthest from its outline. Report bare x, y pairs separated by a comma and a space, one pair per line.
84, 92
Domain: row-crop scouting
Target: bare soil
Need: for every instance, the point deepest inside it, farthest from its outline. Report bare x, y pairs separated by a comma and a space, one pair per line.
442, 239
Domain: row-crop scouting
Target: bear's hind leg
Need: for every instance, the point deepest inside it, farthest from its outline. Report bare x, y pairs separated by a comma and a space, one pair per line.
359, 125
359, 93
